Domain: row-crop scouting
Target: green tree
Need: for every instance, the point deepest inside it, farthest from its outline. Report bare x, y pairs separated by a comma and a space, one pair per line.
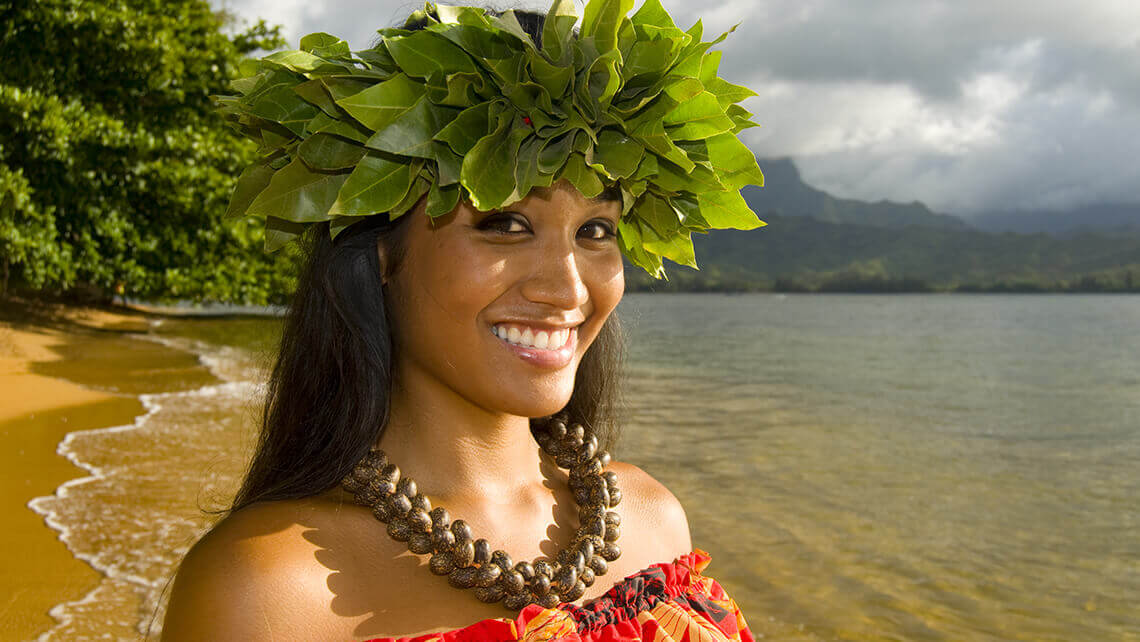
114, 167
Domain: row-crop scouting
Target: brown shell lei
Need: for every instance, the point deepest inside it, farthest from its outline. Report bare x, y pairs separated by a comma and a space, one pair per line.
469, 563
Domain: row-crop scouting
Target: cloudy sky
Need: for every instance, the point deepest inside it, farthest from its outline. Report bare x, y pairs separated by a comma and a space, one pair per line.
966, 105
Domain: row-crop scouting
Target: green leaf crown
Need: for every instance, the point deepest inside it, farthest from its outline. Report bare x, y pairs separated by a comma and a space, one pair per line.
469, 107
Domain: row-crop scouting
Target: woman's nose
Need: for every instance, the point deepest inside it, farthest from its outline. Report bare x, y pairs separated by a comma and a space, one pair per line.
556, 278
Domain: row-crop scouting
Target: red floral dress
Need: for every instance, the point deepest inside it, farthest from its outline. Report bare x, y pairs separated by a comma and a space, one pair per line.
664, 603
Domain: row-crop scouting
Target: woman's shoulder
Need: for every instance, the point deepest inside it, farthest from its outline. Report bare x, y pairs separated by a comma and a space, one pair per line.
650, 505
258, 574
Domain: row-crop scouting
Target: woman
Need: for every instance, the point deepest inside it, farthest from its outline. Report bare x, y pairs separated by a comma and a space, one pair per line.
467, 343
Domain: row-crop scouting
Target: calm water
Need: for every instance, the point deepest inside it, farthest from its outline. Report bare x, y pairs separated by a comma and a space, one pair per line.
860, 467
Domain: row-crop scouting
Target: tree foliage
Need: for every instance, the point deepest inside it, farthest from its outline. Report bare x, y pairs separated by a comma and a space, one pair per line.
114, 168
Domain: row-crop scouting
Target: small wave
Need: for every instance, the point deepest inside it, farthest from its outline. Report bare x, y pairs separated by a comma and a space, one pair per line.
140, 506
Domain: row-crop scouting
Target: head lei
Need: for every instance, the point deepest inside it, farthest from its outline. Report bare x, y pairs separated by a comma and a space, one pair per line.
460, 103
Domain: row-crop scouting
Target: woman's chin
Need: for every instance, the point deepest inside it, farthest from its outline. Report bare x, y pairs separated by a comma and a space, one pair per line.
537, 404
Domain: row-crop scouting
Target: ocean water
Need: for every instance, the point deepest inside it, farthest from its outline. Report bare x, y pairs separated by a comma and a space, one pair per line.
859, 467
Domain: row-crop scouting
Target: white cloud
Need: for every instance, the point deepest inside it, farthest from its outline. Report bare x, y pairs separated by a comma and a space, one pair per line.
964, 105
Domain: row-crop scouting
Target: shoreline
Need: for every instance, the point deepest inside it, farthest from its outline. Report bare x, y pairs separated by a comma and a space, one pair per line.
56, 383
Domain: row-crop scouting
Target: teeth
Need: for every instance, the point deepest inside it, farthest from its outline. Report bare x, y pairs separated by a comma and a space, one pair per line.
528, 338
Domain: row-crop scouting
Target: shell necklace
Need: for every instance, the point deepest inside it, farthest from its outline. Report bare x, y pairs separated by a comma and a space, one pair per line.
470, 563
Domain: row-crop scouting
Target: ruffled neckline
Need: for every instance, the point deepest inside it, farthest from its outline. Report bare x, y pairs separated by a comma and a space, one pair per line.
636, 592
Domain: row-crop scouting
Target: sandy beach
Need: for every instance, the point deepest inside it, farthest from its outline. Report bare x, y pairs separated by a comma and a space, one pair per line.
57, 364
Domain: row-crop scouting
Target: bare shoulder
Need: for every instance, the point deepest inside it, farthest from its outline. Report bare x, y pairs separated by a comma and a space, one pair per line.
255, 575
653, 510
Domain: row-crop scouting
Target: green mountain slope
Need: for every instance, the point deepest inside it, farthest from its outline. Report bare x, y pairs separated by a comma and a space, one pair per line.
816, 242
785, 193
801, 253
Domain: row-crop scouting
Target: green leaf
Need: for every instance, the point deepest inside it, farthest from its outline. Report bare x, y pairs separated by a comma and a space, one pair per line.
653, 57
697, 118
272, 139
619, 154
581, 176
735, 164
509, 23
253, 180
441, 200
671, 178
411, 133
555, 78
632, 245
314, 92
653, 14
728, 210
658, 213
325, 45
728, 93
740, 118
557, 29
347, 128
420, 186
279, 232
654, 137
601, 20
449, 165
710, 66
305, 62
530, 97
553, 156
282, 105
690, 210
384, 102
423, 53
341, 87
603, 79
453, 15
481, 42
462, 90
244, 85
468, 128
298, 194
379, 59
489, 168
677, 247
376, 185
528, 173
508, 70
324, 152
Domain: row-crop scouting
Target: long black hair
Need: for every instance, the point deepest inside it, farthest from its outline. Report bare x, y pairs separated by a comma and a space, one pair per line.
327, 398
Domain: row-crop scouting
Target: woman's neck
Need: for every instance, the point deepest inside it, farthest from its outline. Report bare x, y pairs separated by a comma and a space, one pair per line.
459, 453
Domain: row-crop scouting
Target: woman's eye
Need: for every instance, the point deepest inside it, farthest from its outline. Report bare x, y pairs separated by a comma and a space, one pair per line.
598, 230
503, 224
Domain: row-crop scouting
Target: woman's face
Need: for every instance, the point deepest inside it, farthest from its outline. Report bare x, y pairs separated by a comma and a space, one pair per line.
499, 307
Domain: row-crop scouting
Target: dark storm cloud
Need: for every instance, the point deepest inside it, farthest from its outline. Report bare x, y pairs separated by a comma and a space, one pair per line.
964, 105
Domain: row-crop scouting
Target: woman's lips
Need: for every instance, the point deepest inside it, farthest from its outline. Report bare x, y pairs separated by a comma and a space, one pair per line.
525, 342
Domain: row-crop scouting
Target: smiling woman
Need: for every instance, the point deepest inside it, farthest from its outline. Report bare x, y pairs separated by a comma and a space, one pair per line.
466, 334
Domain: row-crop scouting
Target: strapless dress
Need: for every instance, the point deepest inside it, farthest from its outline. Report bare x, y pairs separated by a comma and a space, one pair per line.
669, 601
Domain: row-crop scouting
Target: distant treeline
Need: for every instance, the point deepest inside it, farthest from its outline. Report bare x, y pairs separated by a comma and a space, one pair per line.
803, 254
1125, 280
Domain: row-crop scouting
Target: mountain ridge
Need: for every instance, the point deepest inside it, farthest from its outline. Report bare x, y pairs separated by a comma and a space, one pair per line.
818, 243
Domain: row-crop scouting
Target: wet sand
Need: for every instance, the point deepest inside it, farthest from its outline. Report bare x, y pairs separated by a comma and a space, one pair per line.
61, 370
